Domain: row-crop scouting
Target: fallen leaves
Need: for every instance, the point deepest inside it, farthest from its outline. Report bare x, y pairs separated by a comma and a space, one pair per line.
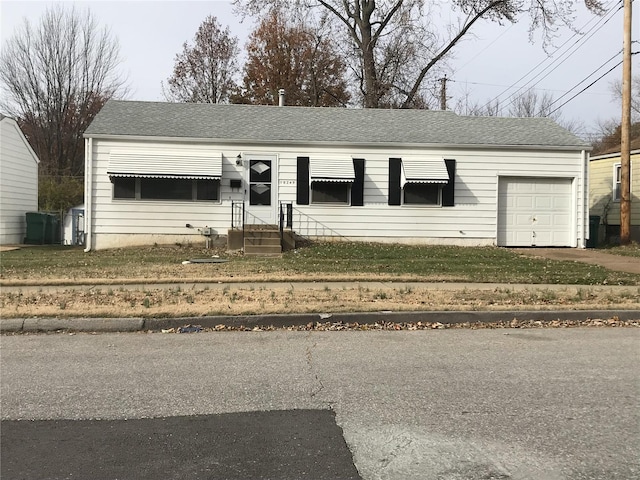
411, 326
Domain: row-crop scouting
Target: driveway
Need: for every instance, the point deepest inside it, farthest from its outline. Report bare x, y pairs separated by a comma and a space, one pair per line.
618, 263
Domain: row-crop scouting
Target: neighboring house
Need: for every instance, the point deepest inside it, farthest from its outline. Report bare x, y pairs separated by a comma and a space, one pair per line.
18, 182
604, 191
167, 172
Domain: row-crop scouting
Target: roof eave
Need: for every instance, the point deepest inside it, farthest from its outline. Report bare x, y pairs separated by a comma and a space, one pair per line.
236, 141
613, 155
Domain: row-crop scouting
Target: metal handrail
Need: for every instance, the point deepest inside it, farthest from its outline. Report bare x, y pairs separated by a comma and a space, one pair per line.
285, 219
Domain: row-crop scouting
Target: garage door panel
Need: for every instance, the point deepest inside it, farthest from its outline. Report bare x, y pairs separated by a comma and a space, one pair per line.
523, 201
543, 221
534, 211
560, 203
542, 202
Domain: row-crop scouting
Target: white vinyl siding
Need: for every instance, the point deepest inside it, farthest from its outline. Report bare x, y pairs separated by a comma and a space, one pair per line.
18, 183
472, 221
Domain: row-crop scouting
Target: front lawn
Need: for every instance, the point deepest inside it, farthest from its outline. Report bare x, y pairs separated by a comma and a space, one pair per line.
315, 262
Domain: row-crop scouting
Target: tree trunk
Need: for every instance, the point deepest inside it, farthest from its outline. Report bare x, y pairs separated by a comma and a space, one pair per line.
371, 94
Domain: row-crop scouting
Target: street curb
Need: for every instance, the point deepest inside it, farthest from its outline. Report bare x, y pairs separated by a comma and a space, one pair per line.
33, 325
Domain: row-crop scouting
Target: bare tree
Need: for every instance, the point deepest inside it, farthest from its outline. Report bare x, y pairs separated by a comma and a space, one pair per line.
281, 54
531, 103
395, 45
616, 90
55, 77
204, 72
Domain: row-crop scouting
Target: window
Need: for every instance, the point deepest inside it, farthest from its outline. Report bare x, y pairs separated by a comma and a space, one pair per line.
422, 182
165, 189
421, 194
617, 182
181, 189
330, 181
124, 187
330, 192
260, 182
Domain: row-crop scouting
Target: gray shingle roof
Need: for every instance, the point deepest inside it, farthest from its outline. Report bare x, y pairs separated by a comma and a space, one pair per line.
322, 124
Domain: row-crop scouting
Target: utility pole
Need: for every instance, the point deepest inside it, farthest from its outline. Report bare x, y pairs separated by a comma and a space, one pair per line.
443, 93
625, 127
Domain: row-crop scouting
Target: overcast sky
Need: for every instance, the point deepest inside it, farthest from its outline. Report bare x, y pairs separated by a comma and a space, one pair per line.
498, 58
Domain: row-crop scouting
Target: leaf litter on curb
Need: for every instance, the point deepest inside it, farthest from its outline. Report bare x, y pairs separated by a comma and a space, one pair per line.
410, 326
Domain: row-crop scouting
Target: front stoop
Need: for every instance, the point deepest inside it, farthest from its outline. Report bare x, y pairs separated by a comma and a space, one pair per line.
262, 240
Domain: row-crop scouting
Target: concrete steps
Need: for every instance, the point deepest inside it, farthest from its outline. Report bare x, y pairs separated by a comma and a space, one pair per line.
262, 240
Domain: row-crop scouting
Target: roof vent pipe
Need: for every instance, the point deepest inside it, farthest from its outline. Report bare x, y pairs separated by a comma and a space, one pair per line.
281, 97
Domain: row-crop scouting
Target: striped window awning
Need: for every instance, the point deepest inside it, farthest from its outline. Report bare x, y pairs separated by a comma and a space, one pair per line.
335, 170
199, 165
424, 171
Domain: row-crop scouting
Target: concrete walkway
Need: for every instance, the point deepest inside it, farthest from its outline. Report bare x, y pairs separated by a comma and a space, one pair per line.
618, 263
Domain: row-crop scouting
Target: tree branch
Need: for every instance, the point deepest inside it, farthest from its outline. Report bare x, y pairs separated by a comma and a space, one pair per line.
445, 50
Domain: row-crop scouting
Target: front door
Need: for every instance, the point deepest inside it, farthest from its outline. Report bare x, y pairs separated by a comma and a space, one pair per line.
261, 195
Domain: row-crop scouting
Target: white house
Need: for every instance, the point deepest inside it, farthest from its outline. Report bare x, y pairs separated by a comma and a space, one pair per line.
167, 172
18, 182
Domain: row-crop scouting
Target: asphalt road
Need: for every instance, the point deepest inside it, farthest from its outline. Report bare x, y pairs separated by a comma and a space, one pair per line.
235, 446
445, 404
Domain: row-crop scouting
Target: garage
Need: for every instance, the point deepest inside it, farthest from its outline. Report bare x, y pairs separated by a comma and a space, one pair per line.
535, 212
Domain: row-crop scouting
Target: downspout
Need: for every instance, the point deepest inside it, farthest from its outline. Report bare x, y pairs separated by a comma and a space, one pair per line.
88, 181
585, 201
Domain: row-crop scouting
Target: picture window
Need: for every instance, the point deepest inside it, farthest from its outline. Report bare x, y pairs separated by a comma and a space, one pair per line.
181, 189
330, 192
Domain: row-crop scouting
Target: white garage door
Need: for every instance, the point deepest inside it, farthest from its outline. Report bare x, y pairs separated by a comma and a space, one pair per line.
535, 212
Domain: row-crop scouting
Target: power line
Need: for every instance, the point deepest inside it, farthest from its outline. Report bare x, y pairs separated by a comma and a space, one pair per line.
507, 86
611, 12
588, 86
564, 56
583, 80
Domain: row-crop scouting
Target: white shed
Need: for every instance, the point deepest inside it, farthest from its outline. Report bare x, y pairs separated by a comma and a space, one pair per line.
167, 172
18, 182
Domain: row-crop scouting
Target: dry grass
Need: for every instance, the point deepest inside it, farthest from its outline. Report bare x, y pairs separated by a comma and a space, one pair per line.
201, 301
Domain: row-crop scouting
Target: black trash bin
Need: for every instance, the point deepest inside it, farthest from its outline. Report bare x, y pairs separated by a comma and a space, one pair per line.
36, 228
52, 232
42, 228
594, 231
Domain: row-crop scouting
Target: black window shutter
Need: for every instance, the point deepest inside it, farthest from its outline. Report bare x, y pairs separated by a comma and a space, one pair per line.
395, 190
357, 189
302, 181
449, 189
